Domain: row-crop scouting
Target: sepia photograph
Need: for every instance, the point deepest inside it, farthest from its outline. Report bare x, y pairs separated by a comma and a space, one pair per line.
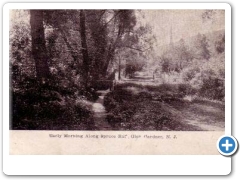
117, 69
108, 83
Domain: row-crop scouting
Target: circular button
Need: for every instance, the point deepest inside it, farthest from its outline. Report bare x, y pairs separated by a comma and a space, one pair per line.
227, 145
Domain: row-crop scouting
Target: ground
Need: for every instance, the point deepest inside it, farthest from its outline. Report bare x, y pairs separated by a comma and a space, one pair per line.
100, 113
134, 104
139, 105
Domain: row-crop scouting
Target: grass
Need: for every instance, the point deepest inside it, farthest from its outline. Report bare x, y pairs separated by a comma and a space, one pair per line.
163, 107
131, 106
138, 107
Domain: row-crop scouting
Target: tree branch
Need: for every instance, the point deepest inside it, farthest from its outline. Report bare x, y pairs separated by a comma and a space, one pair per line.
137, 49
102, 14
113, 18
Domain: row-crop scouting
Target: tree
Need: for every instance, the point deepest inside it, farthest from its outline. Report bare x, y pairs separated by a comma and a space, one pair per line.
183, 54
122, 22
63, 25
208, 15
99, 37
135, 62
211, 15
86, 60
202, 47
97, 40
135, 47
39, 50
220, 44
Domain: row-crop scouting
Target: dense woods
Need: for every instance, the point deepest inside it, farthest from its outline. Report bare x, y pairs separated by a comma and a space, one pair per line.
61, 61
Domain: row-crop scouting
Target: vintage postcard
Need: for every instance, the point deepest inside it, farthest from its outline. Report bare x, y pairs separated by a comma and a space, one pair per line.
89, 80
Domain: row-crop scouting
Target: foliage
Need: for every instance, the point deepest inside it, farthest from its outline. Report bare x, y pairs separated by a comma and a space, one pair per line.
133, 65
165, 64
37, 106
58, 56
190, 73
208, 79
21, 63
76, 47
144, 110
213, 88
202, 47
176, 57
186, 89
220, 44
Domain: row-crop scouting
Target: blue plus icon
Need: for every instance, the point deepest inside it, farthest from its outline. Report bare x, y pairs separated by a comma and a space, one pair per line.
227, 145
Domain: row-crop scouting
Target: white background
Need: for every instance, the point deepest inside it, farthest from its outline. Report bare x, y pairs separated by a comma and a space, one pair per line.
235, 114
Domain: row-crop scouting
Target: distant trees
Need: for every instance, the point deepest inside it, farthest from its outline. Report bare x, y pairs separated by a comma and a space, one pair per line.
208, 15
184, 52
181, 54
176, 57
134, 63
202, 47
165, 65
220, 44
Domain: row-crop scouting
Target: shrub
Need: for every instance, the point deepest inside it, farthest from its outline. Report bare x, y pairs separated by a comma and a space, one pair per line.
45, 106
213, 88
186, 89
190, 73
109, 102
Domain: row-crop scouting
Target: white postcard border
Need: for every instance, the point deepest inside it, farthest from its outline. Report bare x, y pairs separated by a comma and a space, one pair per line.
107, 164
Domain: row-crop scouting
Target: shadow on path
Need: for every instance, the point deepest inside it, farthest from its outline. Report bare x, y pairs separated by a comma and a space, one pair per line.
100, 113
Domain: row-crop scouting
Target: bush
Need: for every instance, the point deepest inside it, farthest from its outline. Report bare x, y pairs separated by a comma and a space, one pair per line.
164, 88
190, 73
47, 106
186, 89
208, 81
213, 88
121, 104
110, 102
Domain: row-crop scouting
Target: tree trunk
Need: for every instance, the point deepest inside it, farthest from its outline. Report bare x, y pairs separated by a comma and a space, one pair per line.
84, 47
39, 50
110, 56
112, 48
119, 69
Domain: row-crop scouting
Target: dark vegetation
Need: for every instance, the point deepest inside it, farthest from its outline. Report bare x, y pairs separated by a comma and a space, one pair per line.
50, 107
143, 107
59, 59
138, 107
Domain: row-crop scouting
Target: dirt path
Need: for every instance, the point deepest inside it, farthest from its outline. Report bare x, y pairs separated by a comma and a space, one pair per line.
149, 112
206, 116
197, 115
100, 112
200, 115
